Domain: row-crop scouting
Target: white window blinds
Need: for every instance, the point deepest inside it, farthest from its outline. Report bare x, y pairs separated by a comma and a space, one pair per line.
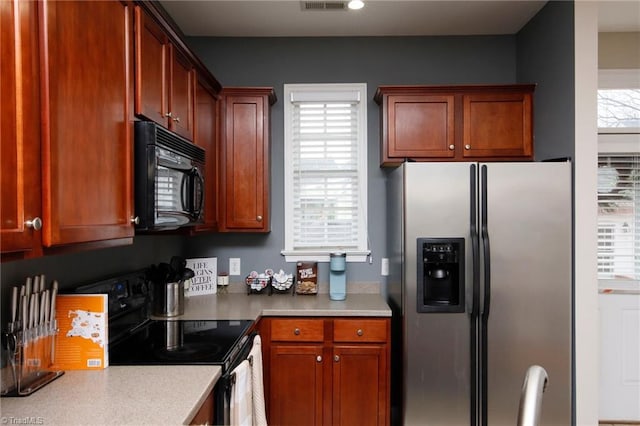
619, 216
325, 161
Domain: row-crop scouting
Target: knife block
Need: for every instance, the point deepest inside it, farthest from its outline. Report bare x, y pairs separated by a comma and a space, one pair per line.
29, 354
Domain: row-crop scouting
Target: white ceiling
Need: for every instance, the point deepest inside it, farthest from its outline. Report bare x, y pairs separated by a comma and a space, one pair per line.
285, 18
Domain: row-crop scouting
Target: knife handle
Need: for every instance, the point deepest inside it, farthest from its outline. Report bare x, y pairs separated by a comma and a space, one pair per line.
52, 307
24, 302
14, 304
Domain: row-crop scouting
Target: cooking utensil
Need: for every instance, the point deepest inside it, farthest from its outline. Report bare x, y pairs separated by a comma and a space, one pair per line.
187, 274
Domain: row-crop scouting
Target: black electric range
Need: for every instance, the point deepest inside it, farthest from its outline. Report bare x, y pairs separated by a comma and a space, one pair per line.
135, 339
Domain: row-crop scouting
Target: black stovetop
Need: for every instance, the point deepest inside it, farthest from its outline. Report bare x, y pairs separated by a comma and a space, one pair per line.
174, 342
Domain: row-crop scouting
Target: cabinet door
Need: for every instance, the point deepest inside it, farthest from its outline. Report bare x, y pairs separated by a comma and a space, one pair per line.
360, 385
246, 163
152, 51
420, 126
206, 137
296, 383
20, 127
497, 125
87, 151
181, 93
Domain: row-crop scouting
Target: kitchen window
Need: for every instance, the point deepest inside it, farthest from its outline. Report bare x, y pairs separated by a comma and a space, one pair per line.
325, 171
619, 176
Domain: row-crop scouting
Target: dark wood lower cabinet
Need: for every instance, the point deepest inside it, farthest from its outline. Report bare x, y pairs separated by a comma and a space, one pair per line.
360, 385
296, 389
326, 371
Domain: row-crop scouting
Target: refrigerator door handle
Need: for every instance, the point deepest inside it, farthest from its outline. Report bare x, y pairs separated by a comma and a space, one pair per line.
475, 245
474, 407
486, 302
486, 249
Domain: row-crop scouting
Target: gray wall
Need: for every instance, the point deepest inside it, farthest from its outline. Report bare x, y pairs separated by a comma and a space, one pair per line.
546, 57
372, 60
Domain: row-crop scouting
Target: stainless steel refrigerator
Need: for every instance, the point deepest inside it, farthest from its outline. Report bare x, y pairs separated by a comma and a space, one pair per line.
480, 287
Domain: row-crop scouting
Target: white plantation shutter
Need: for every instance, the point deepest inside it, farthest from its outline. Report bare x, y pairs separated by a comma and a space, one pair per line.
619, 216
325, 176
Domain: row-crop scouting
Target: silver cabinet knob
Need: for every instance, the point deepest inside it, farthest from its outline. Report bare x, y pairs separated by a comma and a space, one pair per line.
359, 332
336, 358
319, 358
169, 114
296, 331
135, 220
259, 218
177, 119
467, 147
35, 224
452, 147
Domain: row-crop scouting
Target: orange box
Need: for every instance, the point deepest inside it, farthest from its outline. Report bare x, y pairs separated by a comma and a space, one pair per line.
83, 339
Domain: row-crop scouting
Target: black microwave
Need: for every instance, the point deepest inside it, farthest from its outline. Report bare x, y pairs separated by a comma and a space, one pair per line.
169, 179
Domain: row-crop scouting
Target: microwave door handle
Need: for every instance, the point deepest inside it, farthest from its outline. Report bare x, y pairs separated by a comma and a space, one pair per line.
184, 191
198, 187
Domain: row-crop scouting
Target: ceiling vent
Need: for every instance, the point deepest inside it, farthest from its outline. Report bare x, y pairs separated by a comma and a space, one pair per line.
323, 5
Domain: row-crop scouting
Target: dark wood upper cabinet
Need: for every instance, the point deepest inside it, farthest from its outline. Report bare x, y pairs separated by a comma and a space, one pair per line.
165, 78
20, 129
207, 137
456, 123
86, 95
245, 165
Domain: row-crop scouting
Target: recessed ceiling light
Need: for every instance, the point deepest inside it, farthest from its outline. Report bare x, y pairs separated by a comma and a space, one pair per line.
356, 4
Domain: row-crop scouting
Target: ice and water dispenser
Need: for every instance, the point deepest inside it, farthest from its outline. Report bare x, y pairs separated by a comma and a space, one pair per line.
440, 275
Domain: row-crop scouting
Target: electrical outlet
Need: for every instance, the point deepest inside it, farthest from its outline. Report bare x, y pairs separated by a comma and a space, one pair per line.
234, 266
384, 267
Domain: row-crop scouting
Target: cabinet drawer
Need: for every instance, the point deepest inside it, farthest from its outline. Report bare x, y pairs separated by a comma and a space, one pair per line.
297, 330
360, 330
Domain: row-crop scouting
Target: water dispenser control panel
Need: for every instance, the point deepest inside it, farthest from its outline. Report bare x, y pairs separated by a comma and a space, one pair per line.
440, 275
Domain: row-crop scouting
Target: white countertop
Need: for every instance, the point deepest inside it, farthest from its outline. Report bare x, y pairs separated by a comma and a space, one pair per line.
141, 395
167, 395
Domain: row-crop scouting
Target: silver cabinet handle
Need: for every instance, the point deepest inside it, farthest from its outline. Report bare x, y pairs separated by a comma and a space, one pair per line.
35, 224
467, 147
135, 220
296, 331
359, 332
336, 358
452, 147
319, 358
259, 218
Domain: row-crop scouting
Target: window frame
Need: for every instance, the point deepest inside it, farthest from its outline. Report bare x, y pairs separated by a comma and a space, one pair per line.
362, 252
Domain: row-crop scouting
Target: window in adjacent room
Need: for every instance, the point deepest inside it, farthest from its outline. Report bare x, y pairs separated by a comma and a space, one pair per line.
619, 216
619, 176
325, 171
